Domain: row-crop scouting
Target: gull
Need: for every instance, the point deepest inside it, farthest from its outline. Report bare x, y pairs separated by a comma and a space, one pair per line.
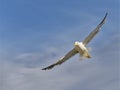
79, 47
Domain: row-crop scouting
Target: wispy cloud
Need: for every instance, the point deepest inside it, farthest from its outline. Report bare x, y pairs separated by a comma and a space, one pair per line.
86, 74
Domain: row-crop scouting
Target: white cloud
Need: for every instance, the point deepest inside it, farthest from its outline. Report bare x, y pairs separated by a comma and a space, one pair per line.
89, 74
100, 72
96, 73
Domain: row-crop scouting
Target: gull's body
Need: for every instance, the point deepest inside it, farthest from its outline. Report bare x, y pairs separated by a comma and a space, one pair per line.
79, 47
82, 50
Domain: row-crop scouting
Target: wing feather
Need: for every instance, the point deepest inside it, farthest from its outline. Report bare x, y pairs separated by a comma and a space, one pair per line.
94, 32
63, 59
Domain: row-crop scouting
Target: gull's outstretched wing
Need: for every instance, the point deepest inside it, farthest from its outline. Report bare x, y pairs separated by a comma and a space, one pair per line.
95, 31
66, 57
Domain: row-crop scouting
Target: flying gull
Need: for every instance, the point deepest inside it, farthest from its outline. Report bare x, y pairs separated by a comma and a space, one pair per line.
79, 47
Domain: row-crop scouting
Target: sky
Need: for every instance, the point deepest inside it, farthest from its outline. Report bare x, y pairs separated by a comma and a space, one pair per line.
36, 33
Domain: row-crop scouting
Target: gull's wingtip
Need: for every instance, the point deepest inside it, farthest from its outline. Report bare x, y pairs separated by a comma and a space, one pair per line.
44, 69
106, 15
49, 67
104, 19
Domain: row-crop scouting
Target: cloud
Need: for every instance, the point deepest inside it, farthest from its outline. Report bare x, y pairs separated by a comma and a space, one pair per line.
100, 72
86, 74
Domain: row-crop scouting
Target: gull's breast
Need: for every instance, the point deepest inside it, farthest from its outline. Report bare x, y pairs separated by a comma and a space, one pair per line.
82, 49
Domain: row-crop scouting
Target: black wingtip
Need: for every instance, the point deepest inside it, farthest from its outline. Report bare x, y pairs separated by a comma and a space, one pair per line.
44, 69
49, 67
104, 19
106, 15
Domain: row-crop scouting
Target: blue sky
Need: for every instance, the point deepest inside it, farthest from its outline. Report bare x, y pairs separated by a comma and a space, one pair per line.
35, 33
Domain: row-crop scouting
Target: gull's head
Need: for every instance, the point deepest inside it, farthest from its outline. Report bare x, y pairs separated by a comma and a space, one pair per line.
76, 43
